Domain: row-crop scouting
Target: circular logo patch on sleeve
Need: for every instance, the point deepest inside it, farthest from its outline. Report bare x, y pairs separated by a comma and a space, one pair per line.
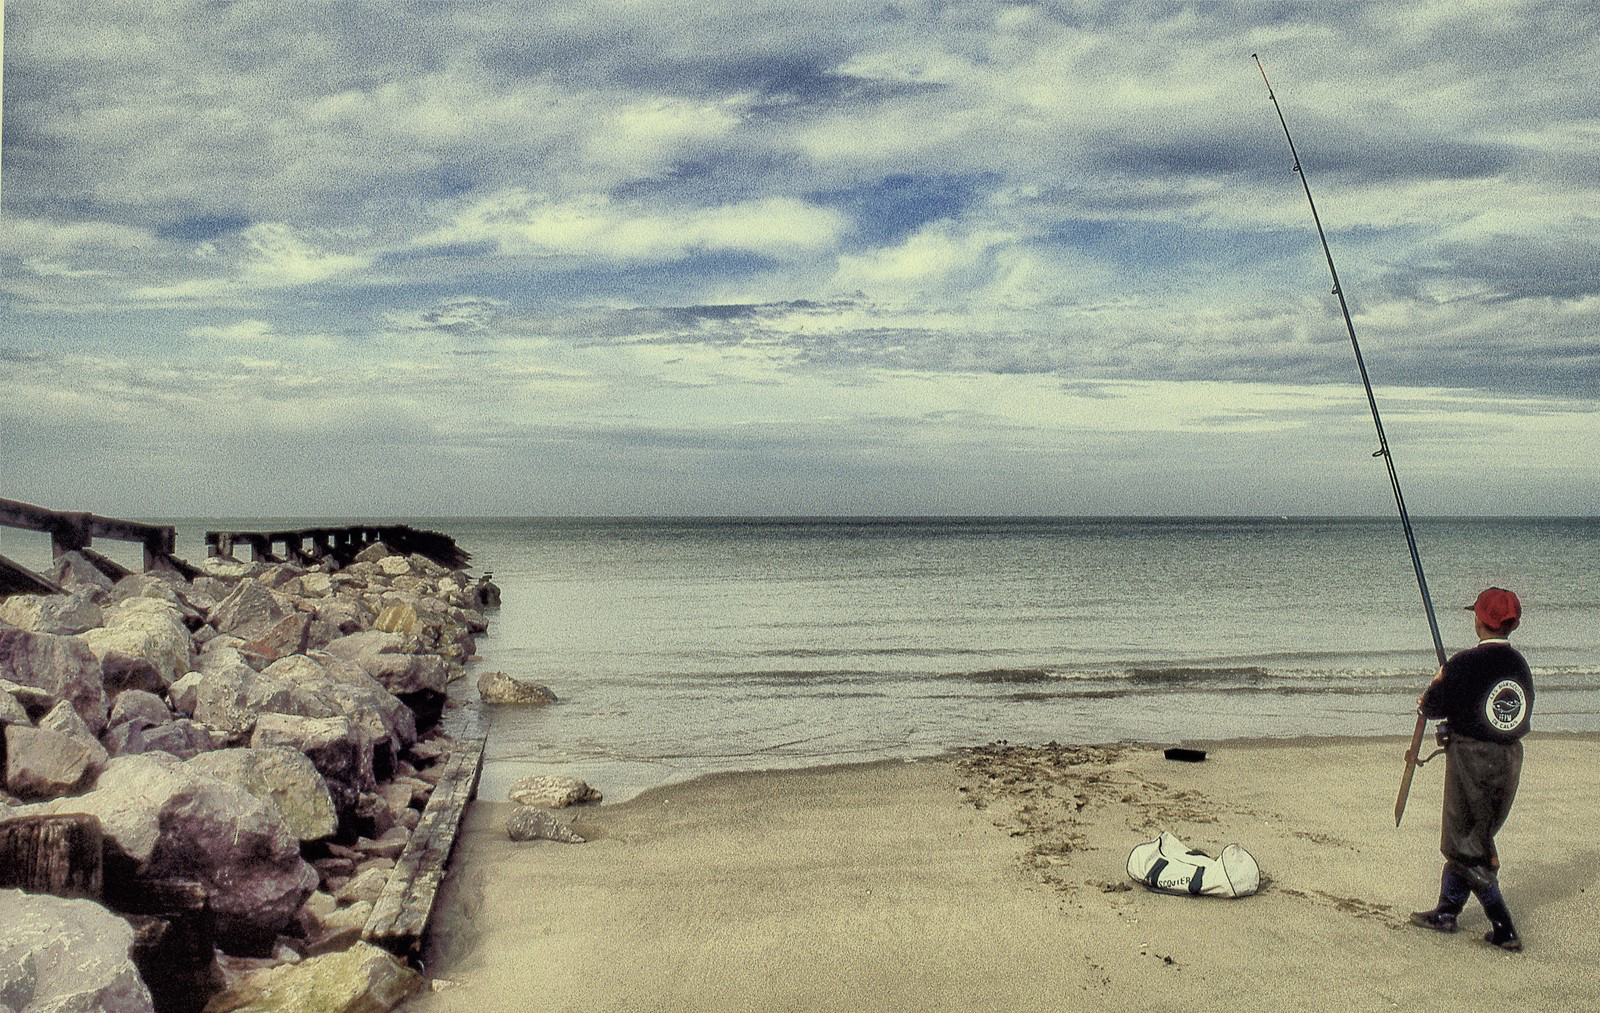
1506, 705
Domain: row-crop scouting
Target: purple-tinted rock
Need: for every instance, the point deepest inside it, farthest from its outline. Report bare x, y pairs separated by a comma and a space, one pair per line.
174, 822
66, 956
64, 667
62, 614
44, 764
139, 703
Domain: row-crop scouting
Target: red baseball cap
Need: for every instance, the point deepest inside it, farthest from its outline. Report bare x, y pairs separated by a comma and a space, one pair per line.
1497, 609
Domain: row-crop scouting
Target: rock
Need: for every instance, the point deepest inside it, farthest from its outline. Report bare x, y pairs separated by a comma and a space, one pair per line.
340, 750
396, 796
339, 929
182, 738
279, 575
373, 553
373, 815
498, 687
13, 713
352, 693
551, 792
182, 693
66, 956
226, 568
366, 886
76, 575
316, 585
530, 823
131, 703
394, 566
170, 821
282, 777
361, 979
45, 764
35, 702
345, 615
64, 667
62, 614
391, 845
62, 718
126, 739
250, 610
485, 594
170, 588
382, 655
397, 619
231, 700
145, 585
279, 640
140, 632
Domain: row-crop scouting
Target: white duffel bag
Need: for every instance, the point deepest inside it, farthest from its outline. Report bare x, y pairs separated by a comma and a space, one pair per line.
1168, 865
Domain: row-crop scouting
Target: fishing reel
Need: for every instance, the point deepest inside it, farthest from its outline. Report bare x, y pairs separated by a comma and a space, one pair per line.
1441, 735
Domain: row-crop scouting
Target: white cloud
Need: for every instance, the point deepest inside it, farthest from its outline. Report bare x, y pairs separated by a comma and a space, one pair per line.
520, 222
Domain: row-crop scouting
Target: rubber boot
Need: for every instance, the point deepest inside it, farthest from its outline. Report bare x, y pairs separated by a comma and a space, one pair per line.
1502, 934
1453, 894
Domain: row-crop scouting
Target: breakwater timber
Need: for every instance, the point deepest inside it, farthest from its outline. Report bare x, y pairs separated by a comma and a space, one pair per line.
234, 777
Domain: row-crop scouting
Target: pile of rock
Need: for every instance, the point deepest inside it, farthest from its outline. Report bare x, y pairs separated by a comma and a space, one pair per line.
267, 732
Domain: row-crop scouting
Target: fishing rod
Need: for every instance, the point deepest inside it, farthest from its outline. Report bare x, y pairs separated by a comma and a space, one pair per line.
1412, 762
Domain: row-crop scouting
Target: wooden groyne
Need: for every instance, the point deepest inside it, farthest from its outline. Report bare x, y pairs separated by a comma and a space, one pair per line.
400, 917
76, 532
341, 543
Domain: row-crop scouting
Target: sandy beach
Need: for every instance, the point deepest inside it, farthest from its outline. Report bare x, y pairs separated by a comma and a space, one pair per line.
995, 879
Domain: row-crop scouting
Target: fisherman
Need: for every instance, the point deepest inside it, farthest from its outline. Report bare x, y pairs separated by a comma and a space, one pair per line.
1485, 696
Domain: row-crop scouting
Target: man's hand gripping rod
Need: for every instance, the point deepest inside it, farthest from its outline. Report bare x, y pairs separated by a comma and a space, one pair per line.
1412, 762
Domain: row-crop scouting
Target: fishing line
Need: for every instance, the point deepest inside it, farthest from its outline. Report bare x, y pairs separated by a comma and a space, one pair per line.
1383, 441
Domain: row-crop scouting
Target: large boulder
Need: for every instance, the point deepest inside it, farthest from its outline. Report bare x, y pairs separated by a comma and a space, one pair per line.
289, 635
551, 791
63, 667
498, 687
340, 749
64, 614
352, 692
182, 738
282, 777
41, 763
11, 710
384, 657
250, 610
66, 956
231, 699
169, 821
138, 703
361, 979
531, 823
226, 568
73, 573
140, 635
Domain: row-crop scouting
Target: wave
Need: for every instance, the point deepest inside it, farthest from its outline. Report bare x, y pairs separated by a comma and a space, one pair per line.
1192, 675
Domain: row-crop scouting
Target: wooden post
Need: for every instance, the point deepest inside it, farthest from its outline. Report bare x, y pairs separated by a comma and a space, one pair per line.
55, 854
69, 533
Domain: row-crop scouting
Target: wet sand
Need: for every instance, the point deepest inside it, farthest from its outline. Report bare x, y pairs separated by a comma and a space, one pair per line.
995, 878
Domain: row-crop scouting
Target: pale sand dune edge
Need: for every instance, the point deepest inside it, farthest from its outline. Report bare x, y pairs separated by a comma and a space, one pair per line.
995, 879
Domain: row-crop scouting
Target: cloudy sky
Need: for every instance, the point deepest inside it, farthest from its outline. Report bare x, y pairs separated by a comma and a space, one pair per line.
796, 258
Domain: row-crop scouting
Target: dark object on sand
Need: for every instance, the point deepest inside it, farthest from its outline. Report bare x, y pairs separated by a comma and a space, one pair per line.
1186, 755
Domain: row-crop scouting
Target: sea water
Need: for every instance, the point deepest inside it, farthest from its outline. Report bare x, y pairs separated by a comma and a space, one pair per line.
682, 647
679, 647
